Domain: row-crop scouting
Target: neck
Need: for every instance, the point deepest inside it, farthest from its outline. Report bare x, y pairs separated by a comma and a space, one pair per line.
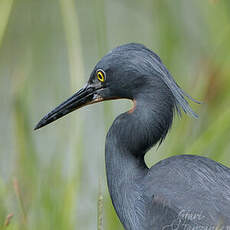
123, 170
128, 139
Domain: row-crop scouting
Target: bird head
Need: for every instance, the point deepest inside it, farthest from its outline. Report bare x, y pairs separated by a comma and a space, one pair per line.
125, 72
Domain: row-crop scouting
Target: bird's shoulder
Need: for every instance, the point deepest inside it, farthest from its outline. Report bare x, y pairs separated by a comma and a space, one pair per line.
189, 170
192, 185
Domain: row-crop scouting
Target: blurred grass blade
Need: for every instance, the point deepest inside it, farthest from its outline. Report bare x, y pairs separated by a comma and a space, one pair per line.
20, 200
8, 219
213, 135
100, 209
76, 69
5, 9
72, 33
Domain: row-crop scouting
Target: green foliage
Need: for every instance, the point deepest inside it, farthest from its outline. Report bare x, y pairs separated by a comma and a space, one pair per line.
49, 178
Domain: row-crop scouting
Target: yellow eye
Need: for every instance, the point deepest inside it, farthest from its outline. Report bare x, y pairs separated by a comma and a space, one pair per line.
101, 75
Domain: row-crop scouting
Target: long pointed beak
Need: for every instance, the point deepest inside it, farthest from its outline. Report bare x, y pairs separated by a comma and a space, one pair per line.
85, 96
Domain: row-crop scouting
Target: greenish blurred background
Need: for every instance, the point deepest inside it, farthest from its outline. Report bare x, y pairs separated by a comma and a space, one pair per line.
54, 178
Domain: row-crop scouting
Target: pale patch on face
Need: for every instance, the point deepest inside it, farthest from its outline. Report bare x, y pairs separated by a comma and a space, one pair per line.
96, 98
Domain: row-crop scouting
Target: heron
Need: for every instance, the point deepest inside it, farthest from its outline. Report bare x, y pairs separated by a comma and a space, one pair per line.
179, 192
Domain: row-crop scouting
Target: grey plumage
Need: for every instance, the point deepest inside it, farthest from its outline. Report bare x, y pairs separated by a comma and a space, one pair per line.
182, 192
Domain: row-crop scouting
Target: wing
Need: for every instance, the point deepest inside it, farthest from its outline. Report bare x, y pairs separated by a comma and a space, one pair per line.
190, 191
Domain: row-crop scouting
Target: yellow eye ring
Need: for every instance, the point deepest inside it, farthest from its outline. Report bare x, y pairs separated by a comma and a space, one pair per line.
101, 75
